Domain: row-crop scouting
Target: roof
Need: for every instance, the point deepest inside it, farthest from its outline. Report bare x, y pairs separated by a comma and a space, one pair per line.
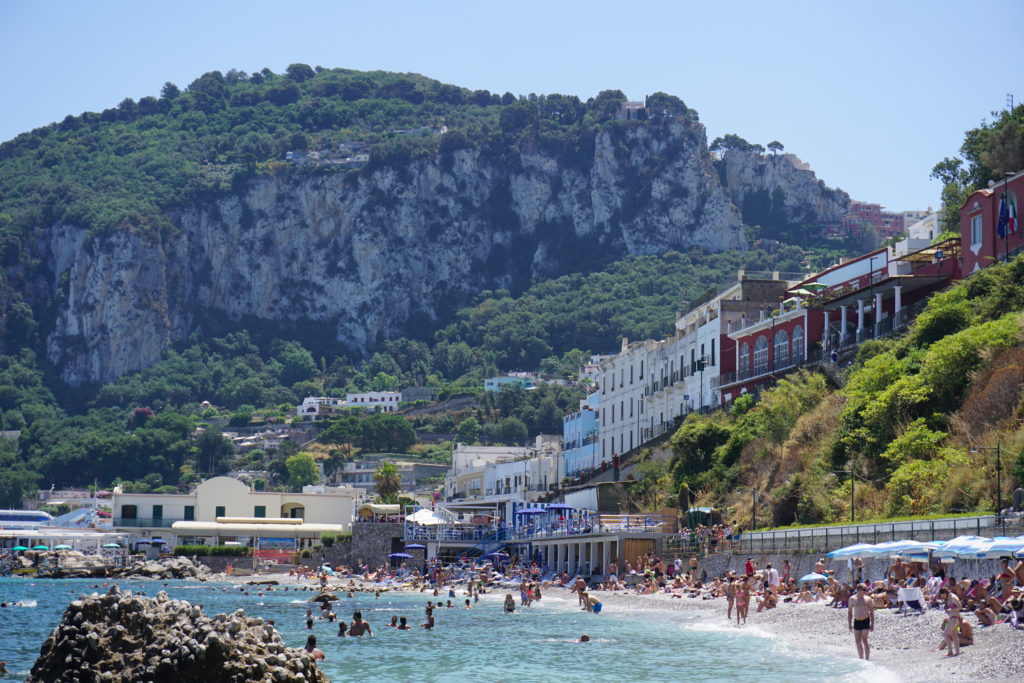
370, 509
280, 530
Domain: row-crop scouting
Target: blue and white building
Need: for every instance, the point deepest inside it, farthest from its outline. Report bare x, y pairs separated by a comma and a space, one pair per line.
580, 436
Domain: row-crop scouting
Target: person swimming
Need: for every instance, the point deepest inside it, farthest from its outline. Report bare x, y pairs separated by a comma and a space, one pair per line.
510, 603
312, 649
403, 624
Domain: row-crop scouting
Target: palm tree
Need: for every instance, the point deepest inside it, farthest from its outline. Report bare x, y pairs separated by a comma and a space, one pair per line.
389, 482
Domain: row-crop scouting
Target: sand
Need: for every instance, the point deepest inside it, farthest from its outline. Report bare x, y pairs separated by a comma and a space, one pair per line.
899, 643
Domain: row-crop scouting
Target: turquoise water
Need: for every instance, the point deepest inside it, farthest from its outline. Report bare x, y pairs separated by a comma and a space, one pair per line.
482, 644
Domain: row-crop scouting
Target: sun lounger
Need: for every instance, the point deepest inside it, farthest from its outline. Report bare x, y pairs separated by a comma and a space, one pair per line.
911, 598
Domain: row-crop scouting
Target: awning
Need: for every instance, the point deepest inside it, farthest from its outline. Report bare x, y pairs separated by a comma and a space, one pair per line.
264, 530
371, 509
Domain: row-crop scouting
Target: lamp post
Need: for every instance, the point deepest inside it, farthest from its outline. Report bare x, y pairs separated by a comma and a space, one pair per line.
999, 478
1005, 226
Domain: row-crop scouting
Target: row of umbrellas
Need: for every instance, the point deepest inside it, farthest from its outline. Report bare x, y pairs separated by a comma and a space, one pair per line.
21, 548
962, 547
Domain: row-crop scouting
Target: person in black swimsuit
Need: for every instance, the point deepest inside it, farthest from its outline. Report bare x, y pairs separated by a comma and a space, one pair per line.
860, 618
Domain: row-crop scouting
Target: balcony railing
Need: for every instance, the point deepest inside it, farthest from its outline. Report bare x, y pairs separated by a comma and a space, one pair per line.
155, 522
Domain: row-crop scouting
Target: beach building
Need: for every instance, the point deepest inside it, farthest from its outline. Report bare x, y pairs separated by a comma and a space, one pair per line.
580, 436
223, 509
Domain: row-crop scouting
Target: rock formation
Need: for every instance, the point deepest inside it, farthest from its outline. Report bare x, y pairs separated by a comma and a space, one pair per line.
747, 173
118, 637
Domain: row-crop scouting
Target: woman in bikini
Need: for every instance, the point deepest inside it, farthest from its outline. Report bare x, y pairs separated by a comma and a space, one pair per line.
742, 601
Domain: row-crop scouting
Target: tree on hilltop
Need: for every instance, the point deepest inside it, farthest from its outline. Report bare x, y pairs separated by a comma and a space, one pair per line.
775, 147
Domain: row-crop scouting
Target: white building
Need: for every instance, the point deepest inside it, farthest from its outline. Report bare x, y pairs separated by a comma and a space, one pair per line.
224, 509
318, 407
373, 401
648, 386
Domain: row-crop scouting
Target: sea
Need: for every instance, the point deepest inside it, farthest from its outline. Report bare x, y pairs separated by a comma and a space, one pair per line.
539, 643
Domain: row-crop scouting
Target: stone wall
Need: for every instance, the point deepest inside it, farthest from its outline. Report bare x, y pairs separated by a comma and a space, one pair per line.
372, 542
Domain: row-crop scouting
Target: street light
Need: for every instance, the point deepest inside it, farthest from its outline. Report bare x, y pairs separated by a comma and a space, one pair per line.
999, 477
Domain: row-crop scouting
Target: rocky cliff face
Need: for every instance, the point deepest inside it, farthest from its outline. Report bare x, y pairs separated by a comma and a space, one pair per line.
806, 199
368, 254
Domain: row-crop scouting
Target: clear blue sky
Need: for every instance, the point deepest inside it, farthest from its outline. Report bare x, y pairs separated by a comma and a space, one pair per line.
870, 93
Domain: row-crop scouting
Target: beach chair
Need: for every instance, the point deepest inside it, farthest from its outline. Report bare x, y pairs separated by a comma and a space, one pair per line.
910, 599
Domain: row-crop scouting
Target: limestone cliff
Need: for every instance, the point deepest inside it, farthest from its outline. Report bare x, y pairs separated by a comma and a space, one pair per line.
369, 253
753, 180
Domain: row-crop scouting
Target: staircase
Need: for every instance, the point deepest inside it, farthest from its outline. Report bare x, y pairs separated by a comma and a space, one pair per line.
832, 371
492, 543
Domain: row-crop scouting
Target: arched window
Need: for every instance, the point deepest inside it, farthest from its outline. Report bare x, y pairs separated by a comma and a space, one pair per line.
761, 355
781, 349
798, 344
744, 368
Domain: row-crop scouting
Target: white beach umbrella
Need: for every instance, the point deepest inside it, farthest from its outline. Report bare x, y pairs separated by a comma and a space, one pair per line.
854, 551
1001, 546
961, 546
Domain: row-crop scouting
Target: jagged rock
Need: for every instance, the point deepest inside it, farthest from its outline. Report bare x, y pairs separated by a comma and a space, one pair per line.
168, 568
326, 597
805, 198
118, 636
379, 247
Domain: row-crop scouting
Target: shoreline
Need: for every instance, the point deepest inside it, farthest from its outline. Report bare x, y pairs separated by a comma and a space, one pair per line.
900, 644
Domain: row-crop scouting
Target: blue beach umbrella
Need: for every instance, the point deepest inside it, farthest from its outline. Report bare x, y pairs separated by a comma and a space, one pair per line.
814, 577
40, 547
111, 545
961, 546
62, 547
1001, 546
560, 506
415, 546
531, 511
856, 550
19, 548
403, 555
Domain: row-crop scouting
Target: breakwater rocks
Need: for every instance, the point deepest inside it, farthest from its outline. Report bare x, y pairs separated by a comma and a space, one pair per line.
168, 568
71, 564
121, 637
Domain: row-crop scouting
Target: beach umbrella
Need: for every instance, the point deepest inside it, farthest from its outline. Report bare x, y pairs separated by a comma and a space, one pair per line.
19, 548
415, 546
62, 547
814, 577
40, 547
854, 551
560, 506
815, 285
1001, 546
403, 555
531, 511
961, 546
111, 545
901, 548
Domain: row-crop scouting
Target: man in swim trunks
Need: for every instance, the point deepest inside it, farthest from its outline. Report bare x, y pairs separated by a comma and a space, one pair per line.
358, 627
860, 618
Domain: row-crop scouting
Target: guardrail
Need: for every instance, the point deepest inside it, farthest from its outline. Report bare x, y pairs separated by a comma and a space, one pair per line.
153, 522
825, 539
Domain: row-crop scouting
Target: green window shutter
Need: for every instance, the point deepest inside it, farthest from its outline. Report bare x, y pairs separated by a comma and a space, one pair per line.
190, 513
158, 512
259, 511
219, 511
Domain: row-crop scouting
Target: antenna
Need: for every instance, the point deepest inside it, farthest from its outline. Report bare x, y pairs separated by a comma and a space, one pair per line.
1009, 101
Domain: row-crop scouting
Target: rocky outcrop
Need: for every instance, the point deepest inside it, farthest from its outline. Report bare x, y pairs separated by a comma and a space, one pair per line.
371, 253
168, 568
118, 637
806, 200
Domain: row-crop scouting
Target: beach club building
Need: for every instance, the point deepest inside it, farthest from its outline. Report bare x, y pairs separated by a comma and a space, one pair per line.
223, 509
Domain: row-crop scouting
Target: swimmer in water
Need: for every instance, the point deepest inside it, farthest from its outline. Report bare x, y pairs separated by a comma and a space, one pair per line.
312, 649
510, 604
584, 639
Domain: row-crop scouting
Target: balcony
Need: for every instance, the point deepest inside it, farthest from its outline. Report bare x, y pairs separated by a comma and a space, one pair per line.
146, 522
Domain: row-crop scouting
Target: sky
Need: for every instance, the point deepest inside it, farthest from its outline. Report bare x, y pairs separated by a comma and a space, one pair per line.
871, 94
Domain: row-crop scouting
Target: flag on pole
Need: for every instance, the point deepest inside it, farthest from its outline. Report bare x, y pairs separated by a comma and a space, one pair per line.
1011, 225
1004, 217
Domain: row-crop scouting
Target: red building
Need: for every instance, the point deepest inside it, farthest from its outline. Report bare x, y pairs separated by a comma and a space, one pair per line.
979, 224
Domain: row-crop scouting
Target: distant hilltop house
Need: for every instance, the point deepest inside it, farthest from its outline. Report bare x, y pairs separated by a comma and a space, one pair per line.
349, 155
629, 111
886, 223
266, 440
320, 407
526, 380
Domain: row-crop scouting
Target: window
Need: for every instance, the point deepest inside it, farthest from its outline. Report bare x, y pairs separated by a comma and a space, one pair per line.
190, 513
630, 374
976, 226
158, 512
761, 355
129, 511
219, 511
744, 357
641, 369
712, 351
259, 511
781, 349
798, 343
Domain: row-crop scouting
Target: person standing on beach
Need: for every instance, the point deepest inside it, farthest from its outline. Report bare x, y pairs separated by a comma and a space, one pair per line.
730, 597
860, 618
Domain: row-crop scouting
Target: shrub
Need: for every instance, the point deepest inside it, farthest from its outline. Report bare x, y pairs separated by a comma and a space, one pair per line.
213, 550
